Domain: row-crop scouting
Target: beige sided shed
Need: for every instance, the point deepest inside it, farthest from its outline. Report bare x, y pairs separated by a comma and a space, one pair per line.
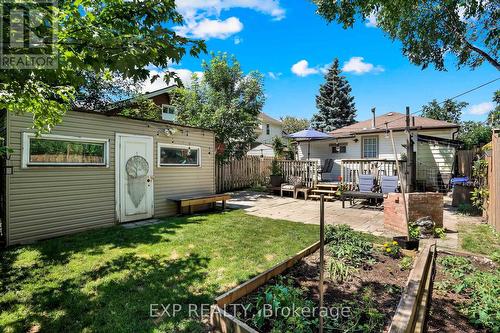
96, 170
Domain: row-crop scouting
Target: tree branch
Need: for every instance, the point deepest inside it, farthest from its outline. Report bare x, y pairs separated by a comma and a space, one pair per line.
485, 55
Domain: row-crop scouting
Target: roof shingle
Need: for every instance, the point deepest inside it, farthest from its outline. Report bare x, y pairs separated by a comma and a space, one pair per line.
394, 120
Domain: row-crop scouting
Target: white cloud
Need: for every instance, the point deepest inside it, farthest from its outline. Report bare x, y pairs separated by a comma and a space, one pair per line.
202, 17
237, 40
481, 108
357, 66
184, 74
302, 69
190, 8
371, 21
207, 28
274, 76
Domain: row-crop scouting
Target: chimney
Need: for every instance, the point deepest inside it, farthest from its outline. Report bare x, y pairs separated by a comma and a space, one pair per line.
373, 118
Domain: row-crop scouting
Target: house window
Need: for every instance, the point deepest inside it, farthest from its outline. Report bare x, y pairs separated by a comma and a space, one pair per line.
168, 112
176, 155
268, 129
370, 147
340, 148
58, 150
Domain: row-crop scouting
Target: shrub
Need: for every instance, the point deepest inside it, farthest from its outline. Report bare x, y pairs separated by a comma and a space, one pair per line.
406, 263
347, 245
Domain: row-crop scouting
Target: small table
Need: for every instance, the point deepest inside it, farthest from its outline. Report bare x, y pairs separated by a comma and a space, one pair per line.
304, 190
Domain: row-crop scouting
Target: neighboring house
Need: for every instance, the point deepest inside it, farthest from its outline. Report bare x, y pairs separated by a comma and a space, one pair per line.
96, 170
262, 150
369, 141
268, 129
161, 97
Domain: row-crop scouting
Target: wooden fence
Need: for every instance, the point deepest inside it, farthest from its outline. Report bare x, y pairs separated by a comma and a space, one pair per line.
494, 182
465, 159
253, 170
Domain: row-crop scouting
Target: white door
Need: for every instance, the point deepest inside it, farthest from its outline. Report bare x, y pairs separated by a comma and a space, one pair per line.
134, 159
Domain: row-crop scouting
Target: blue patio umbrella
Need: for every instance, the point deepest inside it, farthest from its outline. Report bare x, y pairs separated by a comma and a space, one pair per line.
309, 135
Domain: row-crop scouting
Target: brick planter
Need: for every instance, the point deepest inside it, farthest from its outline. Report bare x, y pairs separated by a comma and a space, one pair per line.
420, 204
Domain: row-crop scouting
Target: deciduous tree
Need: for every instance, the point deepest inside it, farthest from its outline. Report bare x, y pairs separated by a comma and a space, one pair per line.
293, 124
449, 111
119, 36
225, 100
429, 30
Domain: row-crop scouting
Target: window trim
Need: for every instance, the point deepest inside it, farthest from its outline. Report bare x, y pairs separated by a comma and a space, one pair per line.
363, 146
173, 165
338, 145
26, 151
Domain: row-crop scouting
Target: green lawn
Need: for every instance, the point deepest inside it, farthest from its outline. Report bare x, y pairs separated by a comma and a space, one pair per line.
105, 280
479, 238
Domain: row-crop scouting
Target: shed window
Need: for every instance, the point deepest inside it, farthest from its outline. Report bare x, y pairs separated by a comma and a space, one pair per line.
55, 150
174, 155
370, 147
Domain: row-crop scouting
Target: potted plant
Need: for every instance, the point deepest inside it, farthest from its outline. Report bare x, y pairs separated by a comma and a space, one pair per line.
412, 241
276, 174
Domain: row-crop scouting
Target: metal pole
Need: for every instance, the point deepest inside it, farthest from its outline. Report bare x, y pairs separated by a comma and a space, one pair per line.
308, 156
321, 257
402, 187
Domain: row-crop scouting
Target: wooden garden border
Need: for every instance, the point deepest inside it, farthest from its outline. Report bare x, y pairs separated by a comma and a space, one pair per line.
225, 322
413, 306
410, 313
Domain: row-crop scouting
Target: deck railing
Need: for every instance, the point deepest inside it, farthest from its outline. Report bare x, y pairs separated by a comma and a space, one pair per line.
253, 170
352, 168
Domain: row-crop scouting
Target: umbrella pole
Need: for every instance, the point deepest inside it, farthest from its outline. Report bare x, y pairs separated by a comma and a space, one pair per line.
308, 157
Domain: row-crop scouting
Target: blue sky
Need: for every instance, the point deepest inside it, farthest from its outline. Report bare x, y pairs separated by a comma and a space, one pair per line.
273, 36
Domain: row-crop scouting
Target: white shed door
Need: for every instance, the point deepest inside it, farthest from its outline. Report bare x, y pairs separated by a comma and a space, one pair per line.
135, 177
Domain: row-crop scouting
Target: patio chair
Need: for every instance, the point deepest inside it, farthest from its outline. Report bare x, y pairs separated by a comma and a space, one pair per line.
389, 184
366, 190
326, 168
294, 183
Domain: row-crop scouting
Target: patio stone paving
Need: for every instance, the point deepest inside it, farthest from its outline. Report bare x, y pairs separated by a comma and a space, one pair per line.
359, 217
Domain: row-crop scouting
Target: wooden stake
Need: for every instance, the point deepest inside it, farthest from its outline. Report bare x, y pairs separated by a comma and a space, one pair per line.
321, 257
402, 187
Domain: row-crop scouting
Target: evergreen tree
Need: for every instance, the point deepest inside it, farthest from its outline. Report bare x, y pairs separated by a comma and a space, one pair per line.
334, 103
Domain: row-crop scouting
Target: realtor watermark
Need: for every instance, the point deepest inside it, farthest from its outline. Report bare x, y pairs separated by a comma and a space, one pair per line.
28, 34
268, 311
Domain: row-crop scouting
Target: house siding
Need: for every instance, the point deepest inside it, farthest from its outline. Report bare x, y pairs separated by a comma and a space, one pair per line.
321, 150
53, 201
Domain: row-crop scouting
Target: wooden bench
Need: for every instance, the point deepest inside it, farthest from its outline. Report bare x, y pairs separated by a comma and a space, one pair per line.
198, 199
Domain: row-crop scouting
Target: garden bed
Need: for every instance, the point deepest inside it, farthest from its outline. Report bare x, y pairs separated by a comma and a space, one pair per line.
466, 295
362, 290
